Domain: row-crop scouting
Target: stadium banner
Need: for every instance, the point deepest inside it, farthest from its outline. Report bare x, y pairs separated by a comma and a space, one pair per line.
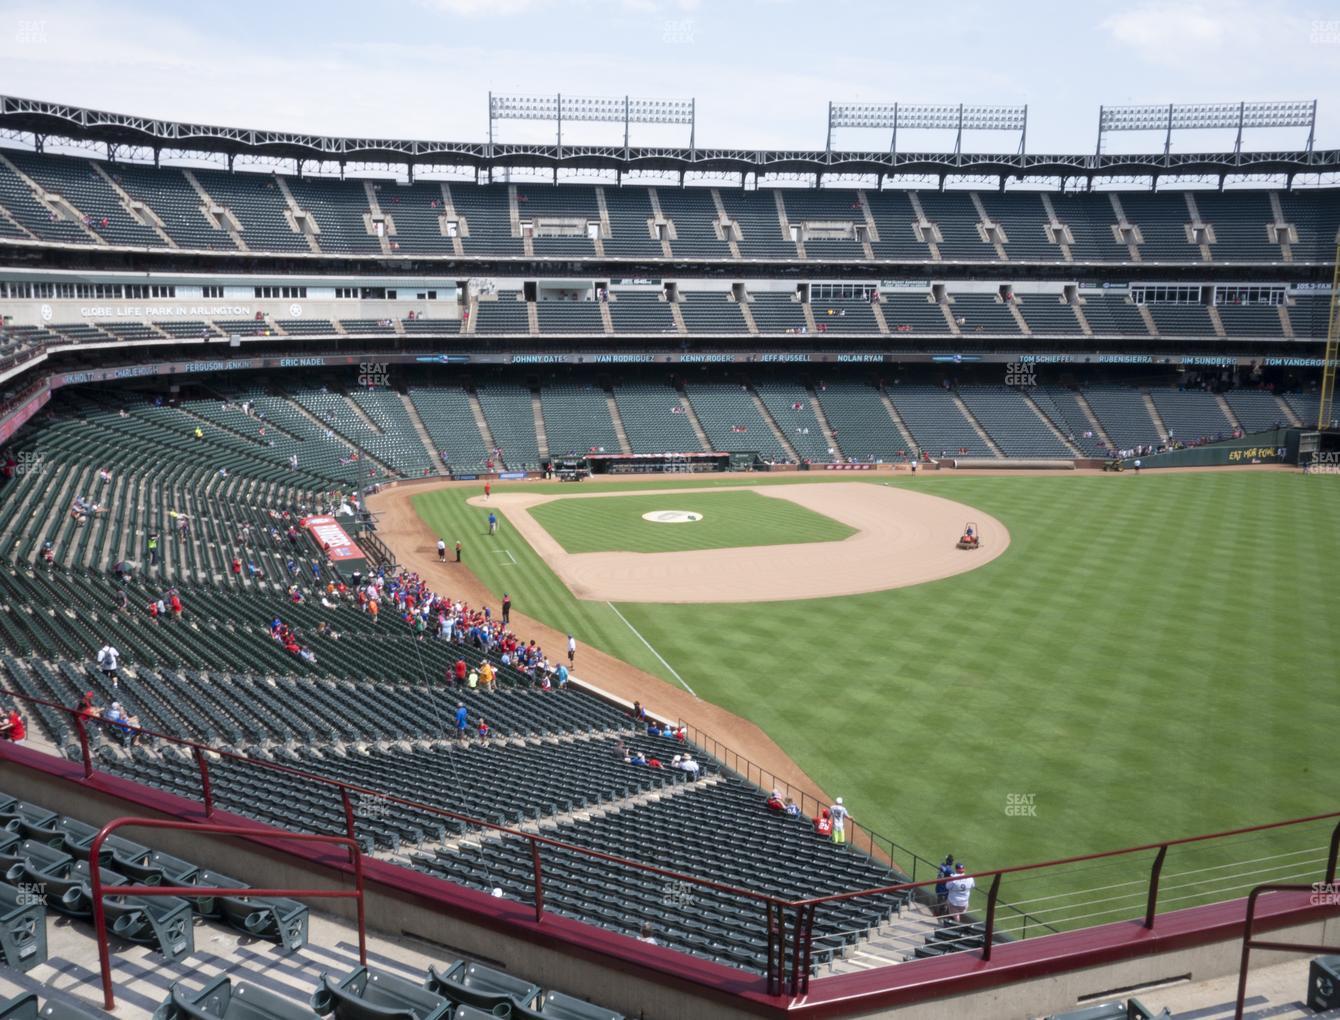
464, 478
243, 364
512, 476
332, 538
846, 467
23, 413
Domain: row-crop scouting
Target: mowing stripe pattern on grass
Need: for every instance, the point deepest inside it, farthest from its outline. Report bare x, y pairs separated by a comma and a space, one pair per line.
1152, 657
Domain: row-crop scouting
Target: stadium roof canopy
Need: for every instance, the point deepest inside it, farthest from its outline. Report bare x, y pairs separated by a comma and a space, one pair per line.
43, 119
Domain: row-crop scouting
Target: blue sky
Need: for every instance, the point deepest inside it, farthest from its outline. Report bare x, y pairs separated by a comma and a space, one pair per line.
761, 71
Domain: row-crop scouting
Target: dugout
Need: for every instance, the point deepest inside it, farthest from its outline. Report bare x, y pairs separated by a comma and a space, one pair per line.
656, 463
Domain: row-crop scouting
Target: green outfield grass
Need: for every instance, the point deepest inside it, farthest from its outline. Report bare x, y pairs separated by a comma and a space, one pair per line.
730, 520
1153, 657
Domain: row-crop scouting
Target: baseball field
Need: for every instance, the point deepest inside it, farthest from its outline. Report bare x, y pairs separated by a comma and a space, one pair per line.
1150, 656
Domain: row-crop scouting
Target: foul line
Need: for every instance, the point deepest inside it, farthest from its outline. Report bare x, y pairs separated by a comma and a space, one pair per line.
651, 649
508, 554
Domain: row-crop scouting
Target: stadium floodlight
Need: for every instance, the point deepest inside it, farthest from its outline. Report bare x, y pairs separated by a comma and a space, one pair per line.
605, 109
522, 107
1296, 113
928, 117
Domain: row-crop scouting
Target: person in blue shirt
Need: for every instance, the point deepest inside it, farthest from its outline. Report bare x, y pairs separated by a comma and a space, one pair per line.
462, 719
493, 522
944, 874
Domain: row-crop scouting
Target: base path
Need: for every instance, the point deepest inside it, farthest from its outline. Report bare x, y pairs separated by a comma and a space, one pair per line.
903, 537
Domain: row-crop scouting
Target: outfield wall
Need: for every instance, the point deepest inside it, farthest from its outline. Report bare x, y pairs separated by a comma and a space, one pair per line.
1274, 446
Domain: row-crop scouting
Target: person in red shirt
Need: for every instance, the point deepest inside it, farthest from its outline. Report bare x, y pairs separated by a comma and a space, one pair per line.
461, 671
775, 802
488, 489
175, 603
12, 728
823, 825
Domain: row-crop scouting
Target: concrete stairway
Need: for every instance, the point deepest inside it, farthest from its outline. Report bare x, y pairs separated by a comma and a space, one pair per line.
776, 429
375, 210
894, 941
1092, 418
59, 206
481, 422
829, 437
692, 415
898, 420
1051, 426
137, 211
541, 436
324, 426
1154, 414
982, 434
216, 213
617, 419
422, 430
304, 224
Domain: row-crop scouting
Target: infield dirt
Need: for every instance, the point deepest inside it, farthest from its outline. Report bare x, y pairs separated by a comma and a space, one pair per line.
902, 537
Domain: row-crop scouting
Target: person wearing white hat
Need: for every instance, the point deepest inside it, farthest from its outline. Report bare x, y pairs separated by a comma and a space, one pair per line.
839, 814
960, 891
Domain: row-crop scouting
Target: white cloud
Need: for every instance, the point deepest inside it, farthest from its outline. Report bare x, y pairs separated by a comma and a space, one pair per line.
1213, 41
485, 8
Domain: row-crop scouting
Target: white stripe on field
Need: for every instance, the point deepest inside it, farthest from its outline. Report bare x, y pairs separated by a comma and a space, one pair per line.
651, 649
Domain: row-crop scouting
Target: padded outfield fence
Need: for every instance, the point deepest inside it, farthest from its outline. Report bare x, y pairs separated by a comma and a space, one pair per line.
1150, 878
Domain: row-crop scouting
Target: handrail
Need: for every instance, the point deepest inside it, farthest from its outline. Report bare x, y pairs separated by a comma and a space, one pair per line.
346, 788
1327, 888
776, 908
724, 753
98, 893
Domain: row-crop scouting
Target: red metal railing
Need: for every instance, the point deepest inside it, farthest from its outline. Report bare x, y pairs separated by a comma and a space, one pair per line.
793, 940
859, 836
98, 892
997, 874
1328, 888
200, 752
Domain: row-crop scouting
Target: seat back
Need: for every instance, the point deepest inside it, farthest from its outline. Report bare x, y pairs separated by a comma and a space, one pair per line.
558, 1006
345, 998
23, 928
21, 1007
477, 985
220, 999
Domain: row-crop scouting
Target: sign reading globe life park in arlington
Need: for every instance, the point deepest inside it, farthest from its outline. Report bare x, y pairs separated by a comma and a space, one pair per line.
672, 516
147, 312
